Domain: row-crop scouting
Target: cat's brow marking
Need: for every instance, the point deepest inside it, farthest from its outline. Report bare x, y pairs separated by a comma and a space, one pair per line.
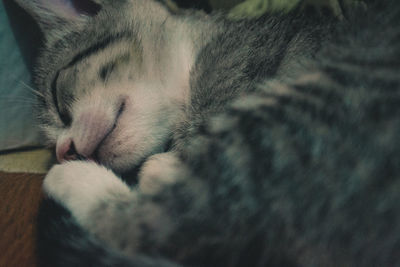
99, 46
108, 68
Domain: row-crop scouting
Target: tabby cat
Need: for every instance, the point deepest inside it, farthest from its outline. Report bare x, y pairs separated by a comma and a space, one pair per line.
268, 142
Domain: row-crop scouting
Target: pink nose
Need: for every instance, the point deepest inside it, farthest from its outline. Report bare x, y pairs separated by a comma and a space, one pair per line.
66, 151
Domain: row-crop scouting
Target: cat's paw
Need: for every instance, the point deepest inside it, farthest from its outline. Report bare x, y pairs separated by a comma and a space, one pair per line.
82, 186
158, 171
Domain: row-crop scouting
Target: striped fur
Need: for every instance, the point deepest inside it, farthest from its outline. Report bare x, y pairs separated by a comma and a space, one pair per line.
284, 151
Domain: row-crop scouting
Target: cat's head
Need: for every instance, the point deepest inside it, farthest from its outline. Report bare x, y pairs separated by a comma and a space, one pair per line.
106, 94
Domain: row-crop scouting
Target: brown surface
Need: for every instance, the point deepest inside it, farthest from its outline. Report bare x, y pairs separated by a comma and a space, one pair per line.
20, 196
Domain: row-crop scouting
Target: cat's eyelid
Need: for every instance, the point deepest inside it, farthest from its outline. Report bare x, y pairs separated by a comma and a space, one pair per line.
64, 117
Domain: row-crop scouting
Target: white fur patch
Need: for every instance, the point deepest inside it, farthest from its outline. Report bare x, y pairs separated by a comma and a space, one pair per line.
80, 186
158, 171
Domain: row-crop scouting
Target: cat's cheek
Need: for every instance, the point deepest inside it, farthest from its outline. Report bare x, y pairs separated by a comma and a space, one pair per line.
82, 186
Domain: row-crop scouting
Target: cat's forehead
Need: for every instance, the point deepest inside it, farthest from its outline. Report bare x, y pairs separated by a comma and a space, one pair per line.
68, 39
74, 46
100, 62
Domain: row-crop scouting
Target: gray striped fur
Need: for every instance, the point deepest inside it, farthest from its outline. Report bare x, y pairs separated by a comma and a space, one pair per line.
282, 138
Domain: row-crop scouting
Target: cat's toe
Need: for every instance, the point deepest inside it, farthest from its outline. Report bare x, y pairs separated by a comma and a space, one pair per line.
158, 171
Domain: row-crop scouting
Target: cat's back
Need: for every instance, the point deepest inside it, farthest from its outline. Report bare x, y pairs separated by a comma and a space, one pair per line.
317, 155
241, 54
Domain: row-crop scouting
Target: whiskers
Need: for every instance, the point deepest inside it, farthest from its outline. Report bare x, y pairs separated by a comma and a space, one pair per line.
32, 90
20, 101
26, 100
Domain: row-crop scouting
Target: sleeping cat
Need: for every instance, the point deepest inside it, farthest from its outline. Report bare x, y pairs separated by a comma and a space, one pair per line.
271, 142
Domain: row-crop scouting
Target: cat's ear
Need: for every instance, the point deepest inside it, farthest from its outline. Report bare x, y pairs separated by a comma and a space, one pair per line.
51, 14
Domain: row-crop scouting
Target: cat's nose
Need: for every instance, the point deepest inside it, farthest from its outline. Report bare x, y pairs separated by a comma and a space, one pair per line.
67, 151
91, 126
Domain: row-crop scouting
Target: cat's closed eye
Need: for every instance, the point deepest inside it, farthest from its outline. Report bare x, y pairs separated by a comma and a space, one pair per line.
64, 115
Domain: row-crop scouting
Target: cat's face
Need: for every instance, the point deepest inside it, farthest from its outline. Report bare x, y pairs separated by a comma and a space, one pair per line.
107, 95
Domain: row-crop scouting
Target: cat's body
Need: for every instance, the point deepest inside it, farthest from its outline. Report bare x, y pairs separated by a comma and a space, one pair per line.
273, 158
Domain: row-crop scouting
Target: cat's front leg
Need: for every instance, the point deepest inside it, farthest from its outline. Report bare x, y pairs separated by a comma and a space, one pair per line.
106, 207
126, 219
82, 186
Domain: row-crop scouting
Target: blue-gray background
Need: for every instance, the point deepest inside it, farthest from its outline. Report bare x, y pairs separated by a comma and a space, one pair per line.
19, 40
